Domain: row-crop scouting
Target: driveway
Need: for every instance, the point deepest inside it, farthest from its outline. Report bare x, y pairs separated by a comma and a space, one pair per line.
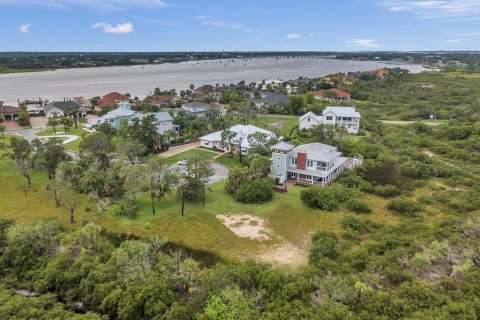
220, 172
394, 122
179, 149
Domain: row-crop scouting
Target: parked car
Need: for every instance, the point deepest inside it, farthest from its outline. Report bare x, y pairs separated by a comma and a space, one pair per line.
182, 162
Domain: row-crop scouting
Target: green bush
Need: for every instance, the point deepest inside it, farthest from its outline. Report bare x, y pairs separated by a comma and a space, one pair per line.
256, 191
353, 223
324, 245
404, 207
320, 198
387, 191
358, 206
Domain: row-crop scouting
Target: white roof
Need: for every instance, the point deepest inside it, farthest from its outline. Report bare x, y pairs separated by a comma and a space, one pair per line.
241, 130
312, 115
318, 151
114, 114
342, 111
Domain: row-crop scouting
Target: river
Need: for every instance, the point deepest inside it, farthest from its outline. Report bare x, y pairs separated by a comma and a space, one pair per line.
141, 80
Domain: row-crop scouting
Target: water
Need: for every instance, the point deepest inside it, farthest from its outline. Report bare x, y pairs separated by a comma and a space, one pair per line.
141, 80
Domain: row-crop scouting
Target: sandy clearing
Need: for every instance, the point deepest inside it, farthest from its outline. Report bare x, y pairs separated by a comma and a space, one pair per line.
246, 226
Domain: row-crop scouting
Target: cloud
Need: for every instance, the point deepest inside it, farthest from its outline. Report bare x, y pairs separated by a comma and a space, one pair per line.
363, 43
447, 10
293, 36
120, 28
98, 4
24, 28
454, 40
214, 22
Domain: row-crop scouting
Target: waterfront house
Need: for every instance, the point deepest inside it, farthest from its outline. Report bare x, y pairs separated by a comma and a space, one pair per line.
346, 117
214, 140
9, 112
58, 109
161, 101
333, 95
111, 99
269, 98
313, 163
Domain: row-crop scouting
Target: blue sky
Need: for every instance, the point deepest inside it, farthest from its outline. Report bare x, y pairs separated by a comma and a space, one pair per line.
201, 25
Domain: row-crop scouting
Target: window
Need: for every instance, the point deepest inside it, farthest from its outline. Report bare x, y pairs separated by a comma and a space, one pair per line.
278, 158
278, 166
308, 119
293, 161
309, 163
329, 118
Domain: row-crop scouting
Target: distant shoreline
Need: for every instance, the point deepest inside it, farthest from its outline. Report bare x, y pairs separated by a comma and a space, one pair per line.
12, 71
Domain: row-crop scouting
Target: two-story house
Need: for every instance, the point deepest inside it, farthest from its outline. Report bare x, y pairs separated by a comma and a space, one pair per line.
313, 163
346, 117
163, 121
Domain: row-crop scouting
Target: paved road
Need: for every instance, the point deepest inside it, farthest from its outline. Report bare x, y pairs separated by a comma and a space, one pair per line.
27, 134
221, 172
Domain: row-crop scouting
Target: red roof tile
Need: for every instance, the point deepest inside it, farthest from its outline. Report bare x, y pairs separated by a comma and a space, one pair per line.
112, 99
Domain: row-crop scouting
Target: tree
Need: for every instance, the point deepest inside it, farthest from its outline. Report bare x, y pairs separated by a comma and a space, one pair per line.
73, 112
53, 122
255, 191
160, 179
295, 104
228, 139
260, 143
23, 116
145, 130
192, 86
71, 204
67, 123
195, 178
130, 149
2, 130
99, 146
49, 155
157, 91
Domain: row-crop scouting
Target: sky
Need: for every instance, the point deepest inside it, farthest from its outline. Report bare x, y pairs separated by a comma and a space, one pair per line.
246, 25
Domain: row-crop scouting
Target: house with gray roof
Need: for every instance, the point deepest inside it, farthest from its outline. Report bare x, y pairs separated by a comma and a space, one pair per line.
164, 121
58, 108
198, 109
313, 163
269, 98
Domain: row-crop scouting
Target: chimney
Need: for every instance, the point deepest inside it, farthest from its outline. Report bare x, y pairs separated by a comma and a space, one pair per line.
301, 160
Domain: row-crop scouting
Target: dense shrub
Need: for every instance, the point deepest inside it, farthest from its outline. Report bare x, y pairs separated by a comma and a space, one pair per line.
324, 246
256, 191
404, 207
320, 198
353, 223
358, 206
387, 191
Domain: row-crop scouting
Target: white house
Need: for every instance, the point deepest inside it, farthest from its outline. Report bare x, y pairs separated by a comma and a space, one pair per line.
346, 117
214, 140
58, 109
163, 121
313, 163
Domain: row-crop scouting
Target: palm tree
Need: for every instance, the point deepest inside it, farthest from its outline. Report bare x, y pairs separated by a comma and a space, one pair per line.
73, 112
67, 123
53, 122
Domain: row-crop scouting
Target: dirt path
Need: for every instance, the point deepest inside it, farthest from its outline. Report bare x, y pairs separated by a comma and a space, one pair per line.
398, 122
176, 150
433, 155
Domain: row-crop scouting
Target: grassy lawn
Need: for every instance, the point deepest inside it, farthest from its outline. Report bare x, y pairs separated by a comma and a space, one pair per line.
190, 153
61, 130
227, 160
288, 218
72, 146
